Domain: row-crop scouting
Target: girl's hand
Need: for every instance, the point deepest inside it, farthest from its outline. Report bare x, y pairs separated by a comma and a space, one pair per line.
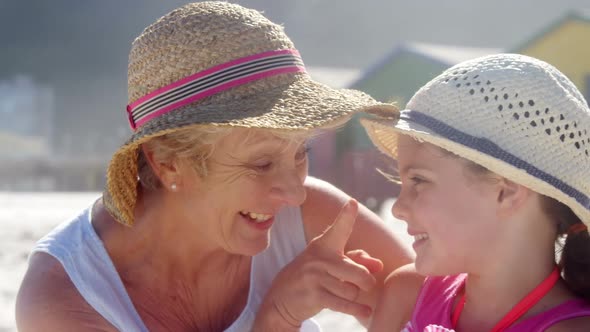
322, 276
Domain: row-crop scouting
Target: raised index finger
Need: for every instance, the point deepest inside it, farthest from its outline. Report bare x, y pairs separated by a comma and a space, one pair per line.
336, 236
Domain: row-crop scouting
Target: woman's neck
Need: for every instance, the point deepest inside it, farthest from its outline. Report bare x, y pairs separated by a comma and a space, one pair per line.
160, 242
175, 282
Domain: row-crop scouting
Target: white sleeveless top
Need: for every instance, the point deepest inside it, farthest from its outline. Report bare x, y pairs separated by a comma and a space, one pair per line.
78, 248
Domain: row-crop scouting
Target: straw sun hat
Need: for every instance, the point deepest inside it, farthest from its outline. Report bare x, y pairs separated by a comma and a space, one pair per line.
517, 116
218, 64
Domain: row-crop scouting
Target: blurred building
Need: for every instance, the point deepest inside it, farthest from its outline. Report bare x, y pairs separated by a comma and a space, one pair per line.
26, 119
28, 159
566, 45
340, 161
409, 66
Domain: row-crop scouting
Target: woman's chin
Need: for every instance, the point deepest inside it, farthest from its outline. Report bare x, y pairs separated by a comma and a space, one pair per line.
252, 247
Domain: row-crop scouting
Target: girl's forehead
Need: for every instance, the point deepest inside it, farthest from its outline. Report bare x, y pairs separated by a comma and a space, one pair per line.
407, 142
409, 146
414, 154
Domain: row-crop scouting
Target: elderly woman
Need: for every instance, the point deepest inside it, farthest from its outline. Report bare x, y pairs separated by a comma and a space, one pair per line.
209, 221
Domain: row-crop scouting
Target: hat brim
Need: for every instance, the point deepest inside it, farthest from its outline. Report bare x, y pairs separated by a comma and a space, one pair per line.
384, 135
300, 105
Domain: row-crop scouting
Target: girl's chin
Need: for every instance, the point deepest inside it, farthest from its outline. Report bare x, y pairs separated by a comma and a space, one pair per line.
427, 267
434, 269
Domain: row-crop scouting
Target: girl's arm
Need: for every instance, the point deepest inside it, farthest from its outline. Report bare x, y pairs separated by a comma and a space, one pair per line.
397, 301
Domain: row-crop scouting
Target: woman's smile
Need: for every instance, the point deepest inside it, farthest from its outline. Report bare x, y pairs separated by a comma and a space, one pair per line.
258, 220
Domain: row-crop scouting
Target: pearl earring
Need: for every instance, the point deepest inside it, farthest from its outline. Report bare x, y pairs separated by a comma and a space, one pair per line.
173, 187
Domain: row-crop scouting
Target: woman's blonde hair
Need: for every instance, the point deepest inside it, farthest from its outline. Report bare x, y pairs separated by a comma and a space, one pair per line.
196, 146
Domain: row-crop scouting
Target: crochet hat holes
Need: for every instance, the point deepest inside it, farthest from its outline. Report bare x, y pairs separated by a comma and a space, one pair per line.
522, 109
556, 124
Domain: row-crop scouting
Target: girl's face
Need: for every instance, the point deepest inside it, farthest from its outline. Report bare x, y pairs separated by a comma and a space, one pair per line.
252, 174
450, 211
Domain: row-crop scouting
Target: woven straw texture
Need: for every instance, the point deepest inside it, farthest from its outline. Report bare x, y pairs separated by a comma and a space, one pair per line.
202, 35
515, 115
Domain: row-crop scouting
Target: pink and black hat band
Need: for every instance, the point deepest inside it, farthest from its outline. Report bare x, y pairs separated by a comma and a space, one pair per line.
212, 81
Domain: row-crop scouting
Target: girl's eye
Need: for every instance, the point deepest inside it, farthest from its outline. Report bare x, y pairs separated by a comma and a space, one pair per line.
417, 180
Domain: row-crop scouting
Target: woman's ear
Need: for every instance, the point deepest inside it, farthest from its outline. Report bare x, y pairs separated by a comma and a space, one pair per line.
168, 172
511, 197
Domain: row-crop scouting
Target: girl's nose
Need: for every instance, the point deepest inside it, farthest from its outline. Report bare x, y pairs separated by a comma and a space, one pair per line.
400, 209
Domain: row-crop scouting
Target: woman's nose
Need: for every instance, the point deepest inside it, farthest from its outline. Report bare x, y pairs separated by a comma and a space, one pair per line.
288, 188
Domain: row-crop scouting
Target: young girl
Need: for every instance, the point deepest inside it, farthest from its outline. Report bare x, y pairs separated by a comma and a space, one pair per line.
494, 161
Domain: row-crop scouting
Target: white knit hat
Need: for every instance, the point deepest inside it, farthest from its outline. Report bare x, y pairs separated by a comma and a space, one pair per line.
515, 115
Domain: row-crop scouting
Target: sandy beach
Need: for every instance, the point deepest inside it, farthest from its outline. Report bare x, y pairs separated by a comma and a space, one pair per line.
25, 217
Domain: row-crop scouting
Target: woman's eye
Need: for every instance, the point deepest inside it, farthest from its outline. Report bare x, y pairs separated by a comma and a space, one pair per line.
263, 167
302, 154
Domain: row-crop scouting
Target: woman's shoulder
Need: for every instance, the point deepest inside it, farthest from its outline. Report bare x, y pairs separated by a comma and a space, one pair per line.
48, 300
321, 206
323, 195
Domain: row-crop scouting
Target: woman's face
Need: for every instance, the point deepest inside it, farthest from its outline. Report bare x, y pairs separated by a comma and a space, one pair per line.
252, 174
450, 212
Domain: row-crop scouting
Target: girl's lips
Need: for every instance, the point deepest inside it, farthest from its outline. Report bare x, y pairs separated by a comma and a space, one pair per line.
419, 238
418, 242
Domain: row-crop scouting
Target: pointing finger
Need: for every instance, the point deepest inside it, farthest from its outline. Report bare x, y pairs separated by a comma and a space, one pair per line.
336, 236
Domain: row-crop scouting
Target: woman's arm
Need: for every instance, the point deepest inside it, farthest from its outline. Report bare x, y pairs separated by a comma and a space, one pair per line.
48, 301
370, 233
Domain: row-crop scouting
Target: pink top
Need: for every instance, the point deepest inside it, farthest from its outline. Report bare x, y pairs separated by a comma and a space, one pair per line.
435, 303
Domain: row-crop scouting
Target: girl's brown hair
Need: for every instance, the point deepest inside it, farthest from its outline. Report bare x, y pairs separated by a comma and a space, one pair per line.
574, 246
